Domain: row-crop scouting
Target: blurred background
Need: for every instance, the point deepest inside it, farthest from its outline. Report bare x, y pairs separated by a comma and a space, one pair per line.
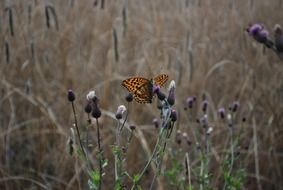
48, 47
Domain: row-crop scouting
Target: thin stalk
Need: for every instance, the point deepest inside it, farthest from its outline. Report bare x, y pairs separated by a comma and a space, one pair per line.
78, 131
149, 161
100, 155
161, 158
117, 153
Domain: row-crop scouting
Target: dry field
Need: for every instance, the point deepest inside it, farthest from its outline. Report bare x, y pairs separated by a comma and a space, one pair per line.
48, 47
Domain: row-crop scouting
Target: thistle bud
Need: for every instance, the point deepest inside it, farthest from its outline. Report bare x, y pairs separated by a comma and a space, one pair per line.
71, 95
221, 112
173, 115
129, 97
171, 95
121, 109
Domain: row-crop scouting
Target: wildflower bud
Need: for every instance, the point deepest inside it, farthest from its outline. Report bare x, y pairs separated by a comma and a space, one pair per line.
132, 127
88, 107
190, 101
71, 95
258, 32
129, 97
244, 119
203, 121
178, 137
278, 36
173, 115
229, 118
204, 106
278, 40
235, 107
161, 96
121, 109
171, 95
96, 113
91, 95
209, 130
155, 122
221, 112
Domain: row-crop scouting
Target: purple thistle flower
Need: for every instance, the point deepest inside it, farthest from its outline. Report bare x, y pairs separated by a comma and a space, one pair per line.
278, 40
278, 36
156, 89
221, 112
204, 106
190, 100
121, 109
132, 127
235, 106
96, 113
155, 121
173, 115
129, 97
71, 95
88, 107
260, 34
171, 94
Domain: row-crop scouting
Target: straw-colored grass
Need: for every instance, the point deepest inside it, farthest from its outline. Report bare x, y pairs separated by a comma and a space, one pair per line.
48, 47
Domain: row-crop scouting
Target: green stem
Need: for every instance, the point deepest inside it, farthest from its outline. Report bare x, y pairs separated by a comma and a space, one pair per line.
100, 155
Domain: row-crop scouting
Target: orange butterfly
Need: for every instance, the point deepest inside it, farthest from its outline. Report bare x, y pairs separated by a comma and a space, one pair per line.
142, 88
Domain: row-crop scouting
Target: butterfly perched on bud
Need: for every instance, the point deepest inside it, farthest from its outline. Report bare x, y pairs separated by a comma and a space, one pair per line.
142, 88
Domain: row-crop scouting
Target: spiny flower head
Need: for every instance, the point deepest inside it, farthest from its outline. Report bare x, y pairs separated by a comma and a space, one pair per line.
204, 106
129, 97
171, 94
278, 38
258, 32
71, 95
156, 123
221, 112
173, 115
156, 90
121, 109
189, 102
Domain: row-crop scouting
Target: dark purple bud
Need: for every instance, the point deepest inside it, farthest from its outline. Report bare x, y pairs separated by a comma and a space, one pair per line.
204, 106
190, 101
278, 38
96, 113
253, 29
244, 119
121, 109
203, 121
171, 94
160, 95
129, 97
155, 122
173, 115
132, 127
71, 95
235, 107
258, 32
221, 112
88, 107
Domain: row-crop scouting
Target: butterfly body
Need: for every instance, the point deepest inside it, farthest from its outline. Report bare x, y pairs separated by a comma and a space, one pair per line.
142, 88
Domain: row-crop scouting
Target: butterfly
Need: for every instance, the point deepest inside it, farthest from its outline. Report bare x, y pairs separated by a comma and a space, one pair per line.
142, 88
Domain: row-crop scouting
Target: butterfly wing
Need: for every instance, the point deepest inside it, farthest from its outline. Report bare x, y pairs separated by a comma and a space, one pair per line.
144, 93
134, 83
140, 88
160, 79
